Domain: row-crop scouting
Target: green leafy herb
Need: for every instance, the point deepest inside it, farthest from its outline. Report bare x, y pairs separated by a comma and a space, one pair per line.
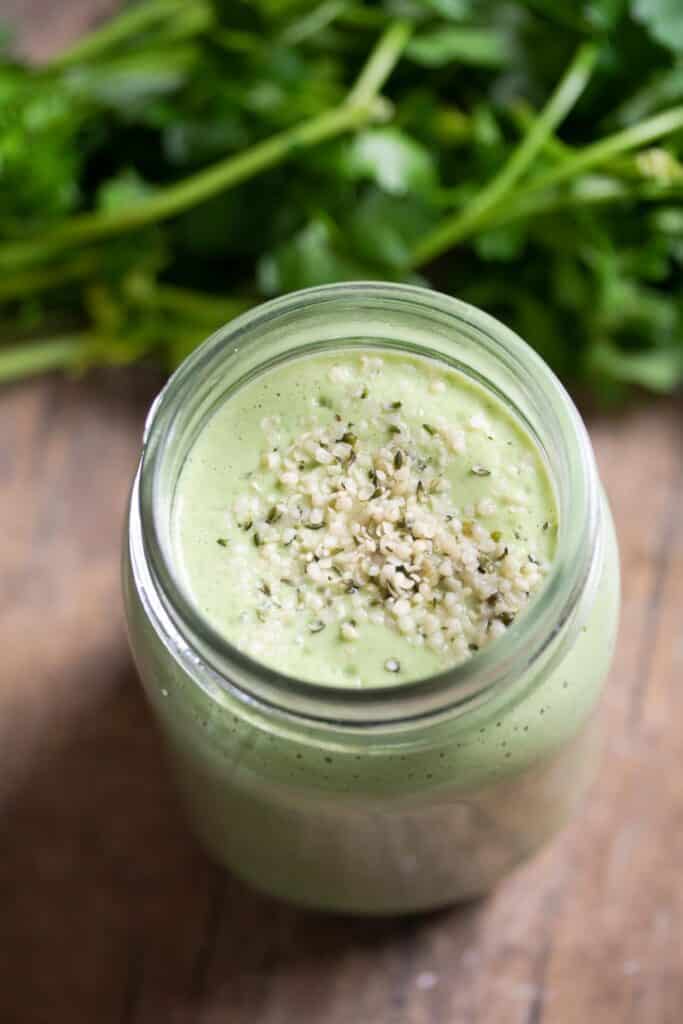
391, 159
184, 161
664, 19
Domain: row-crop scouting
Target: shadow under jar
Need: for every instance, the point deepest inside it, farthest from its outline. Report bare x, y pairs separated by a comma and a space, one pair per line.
392, 799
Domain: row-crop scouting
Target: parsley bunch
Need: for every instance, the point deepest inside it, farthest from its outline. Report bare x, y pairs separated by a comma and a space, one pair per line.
185, 161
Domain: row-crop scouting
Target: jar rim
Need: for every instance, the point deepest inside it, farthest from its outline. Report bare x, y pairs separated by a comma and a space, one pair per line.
216, 661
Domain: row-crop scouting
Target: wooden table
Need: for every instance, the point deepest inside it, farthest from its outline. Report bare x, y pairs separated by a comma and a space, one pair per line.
109, 914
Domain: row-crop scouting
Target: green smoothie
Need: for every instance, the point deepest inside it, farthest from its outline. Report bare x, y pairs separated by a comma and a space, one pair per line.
363, 518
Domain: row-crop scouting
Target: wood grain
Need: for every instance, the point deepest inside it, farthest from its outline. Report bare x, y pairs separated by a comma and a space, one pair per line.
111, 915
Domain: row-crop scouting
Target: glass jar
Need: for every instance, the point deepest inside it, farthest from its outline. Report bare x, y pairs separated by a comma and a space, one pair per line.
395, 799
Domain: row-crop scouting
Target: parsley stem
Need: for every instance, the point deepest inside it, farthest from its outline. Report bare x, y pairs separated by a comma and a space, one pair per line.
454, 229
174, 199
362, 105
312, 22
604, 191
620, 166
28, 282
526, 201
28, 359
604, 150
117, 30
197, 305
380, 63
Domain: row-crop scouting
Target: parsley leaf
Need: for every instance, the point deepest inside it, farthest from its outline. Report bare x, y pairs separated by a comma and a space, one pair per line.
184, 161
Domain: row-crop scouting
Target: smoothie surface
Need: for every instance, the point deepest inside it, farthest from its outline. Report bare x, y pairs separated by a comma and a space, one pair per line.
363, 518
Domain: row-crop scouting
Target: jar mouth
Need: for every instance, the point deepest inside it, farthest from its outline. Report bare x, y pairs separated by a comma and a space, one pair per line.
425, 322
